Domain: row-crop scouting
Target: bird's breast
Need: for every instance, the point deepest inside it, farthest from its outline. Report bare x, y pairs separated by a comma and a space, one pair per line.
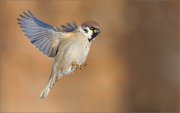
73, 49
77, 51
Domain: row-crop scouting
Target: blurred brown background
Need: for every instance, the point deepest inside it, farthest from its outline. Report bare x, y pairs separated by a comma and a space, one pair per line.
134, 65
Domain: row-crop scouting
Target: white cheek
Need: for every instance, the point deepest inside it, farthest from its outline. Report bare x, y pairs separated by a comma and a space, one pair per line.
89, 34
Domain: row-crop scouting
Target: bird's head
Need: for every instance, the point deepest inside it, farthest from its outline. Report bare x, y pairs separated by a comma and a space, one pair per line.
91, 29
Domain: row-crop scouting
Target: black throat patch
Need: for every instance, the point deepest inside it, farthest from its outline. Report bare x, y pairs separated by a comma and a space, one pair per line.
93, 37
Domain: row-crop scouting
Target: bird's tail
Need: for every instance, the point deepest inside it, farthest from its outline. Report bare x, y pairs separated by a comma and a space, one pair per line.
46, 90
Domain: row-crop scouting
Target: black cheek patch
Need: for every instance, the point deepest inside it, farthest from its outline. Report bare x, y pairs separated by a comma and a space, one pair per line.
86, 31
93, 36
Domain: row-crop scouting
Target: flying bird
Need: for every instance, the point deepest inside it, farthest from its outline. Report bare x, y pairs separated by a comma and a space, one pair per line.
68, 45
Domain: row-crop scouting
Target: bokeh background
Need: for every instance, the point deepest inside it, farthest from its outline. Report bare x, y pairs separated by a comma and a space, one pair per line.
134, 65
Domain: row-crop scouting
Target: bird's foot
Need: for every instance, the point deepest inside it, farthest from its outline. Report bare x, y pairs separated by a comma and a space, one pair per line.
74, 64
82, 65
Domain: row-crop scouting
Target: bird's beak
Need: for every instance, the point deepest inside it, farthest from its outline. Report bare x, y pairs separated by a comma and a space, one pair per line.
97, 31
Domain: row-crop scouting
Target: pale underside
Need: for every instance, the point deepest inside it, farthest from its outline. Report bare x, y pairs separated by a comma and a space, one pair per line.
72, 49
68, 46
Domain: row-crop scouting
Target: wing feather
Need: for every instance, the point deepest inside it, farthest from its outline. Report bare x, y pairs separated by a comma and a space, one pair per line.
69, 27
44, 36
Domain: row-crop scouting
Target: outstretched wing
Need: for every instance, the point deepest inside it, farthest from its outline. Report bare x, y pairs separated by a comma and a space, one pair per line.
44, 36
69, 27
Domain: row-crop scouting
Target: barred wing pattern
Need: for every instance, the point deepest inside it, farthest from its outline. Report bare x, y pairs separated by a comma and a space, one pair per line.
44, 36
69, 27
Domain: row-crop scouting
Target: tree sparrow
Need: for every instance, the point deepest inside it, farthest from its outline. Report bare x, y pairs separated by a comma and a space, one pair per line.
68, 45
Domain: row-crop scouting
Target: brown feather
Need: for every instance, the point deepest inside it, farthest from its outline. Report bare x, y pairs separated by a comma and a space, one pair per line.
90, 23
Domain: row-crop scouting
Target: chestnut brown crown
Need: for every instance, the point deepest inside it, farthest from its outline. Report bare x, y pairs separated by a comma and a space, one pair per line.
91, 29
90, 24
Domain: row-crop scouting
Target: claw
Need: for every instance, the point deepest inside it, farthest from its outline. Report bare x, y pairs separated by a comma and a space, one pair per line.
85, 64
74, 64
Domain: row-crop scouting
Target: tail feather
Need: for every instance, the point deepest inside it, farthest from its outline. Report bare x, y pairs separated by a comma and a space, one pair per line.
45, 92
48, 87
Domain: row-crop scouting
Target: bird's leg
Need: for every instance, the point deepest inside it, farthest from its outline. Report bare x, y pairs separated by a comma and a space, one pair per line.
74, 64
84, 65
79, 66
